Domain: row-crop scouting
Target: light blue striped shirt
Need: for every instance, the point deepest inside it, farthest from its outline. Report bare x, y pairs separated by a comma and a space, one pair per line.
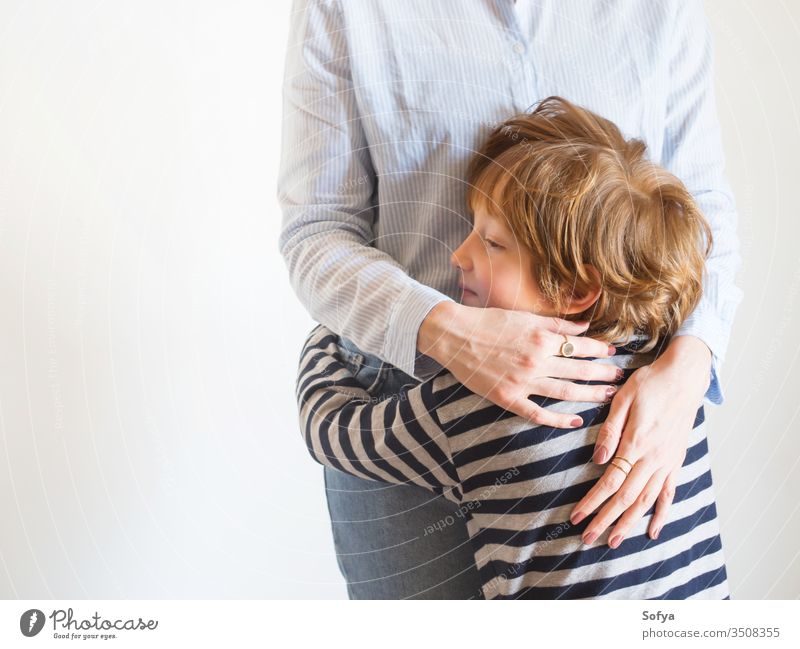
385, 102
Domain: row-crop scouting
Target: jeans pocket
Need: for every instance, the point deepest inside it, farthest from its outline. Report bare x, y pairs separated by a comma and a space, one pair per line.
370, 371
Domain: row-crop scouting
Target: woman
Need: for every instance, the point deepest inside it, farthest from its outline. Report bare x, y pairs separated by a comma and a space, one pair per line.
384, 105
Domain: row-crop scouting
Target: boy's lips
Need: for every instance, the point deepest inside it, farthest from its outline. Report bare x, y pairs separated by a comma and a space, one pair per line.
464, 289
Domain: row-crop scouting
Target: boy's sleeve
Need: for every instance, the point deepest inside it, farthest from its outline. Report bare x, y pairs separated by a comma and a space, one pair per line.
326, 189
693, 152
394, 440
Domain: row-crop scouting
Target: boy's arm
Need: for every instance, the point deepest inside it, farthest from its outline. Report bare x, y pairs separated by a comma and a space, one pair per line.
395, 440
693, 152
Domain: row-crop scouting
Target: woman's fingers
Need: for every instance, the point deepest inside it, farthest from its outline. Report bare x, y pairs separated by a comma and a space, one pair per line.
582, 347
559, 326
610, 433
663, 504
607, 485
601, 491
643, 503
539, 416
583, 370
567, 391
552, 333
625, 496
512, 355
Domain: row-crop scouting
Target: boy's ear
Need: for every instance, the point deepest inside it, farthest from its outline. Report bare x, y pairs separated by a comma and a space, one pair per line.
578, 303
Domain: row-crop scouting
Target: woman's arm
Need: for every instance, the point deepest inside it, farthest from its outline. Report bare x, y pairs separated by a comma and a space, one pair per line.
326, 190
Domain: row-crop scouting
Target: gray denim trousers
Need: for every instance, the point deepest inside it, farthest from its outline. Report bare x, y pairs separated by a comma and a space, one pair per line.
381, 531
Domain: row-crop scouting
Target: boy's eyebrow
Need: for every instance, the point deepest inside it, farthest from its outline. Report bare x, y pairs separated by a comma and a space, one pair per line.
496, 235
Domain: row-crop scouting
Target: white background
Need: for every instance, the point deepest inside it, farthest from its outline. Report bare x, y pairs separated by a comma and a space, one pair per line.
149, 337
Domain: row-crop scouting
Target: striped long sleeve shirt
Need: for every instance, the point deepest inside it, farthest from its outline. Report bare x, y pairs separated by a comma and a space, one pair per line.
515, 483
385, 102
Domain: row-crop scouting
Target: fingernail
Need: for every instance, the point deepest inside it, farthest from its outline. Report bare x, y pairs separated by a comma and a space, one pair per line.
656, 532
615, 541
610, 392
620, 374
588, 537
612, 350
576, 422
600, 455
577, 517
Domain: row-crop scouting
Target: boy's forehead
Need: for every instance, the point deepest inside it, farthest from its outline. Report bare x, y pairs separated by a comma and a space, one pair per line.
489, 210
484, 211
488, 200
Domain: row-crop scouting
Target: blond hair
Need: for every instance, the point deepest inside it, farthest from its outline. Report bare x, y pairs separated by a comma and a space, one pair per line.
574, 191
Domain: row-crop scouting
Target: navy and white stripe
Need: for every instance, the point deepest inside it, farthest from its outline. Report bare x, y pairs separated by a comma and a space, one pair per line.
385, 102
516, 483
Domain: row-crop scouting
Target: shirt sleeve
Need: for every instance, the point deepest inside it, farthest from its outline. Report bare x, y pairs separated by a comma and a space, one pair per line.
693, 152
396, 439
327, 188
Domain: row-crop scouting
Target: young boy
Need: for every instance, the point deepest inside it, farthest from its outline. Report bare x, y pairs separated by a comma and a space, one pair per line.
570, 220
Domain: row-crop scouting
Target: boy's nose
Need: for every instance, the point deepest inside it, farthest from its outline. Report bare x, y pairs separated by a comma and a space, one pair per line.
458, 258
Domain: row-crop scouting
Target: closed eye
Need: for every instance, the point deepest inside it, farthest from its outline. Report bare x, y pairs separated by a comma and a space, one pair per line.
492, 244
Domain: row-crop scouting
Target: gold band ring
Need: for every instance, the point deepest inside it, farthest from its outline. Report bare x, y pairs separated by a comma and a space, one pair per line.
567, 348
619, 457
617, 466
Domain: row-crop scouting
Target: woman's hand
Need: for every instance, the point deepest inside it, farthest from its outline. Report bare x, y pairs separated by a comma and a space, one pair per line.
505, 356
653, 413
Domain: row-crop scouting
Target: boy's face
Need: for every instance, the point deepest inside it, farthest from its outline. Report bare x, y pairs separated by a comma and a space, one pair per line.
496, 270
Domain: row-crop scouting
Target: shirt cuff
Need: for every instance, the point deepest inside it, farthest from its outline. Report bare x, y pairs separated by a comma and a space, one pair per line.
407, 316
714, 393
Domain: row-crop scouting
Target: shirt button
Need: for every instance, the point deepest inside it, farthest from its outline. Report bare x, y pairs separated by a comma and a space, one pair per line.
519, 48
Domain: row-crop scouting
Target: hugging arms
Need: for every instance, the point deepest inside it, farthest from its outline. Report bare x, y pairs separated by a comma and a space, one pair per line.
514, 483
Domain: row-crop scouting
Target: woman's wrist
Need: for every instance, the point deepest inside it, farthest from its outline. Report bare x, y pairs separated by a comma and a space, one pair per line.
437, 329
690, 357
